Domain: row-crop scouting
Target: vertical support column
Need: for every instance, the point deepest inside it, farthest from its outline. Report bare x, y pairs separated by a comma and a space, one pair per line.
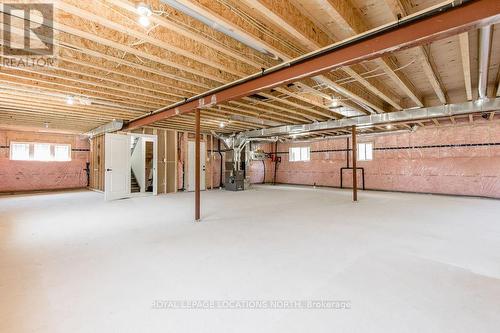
197, 167
354, 162
211, 162
275, 161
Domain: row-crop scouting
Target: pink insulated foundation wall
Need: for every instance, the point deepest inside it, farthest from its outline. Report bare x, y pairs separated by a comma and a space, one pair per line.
460, 160
34, 175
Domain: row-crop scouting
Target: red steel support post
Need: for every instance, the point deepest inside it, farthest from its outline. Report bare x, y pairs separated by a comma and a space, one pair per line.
354, 161
197, 167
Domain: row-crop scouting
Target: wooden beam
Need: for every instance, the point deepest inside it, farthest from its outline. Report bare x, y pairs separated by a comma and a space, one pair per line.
398, 8
375, 88
348, 18
284, 16
398, 11
287, 18
431, 74
229, 48
84, 14
298, 116
310, 40
406, 34
328, 114
317, 92
202, 76
322, 114
80, 90
127, 91
388, 65
245, 105
344, 91
208, 8
39, 95
137, 66
465, 56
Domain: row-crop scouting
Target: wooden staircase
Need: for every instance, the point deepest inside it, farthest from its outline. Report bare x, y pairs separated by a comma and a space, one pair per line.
134, 185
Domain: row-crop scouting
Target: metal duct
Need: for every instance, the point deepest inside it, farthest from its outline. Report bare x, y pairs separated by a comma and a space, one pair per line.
484, 59
112, 126
238, 142
181, 6
483, 105
362, 135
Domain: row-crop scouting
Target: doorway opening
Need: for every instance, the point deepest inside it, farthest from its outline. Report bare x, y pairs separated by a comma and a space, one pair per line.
142, 164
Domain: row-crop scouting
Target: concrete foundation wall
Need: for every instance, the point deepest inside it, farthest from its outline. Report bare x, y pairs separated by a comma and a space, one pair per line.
462, 160
35, 175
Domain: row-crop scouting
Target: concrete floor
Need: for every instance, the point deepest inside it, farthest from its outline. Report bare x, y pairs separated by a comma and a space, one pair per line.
406, 262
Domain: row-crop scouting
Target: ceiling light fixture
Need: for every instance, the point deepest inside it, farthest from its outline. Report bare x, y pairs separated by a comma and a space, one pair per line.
335, 103
144, 12
144, 21
70, 100
222, 125
85, 101
389, 127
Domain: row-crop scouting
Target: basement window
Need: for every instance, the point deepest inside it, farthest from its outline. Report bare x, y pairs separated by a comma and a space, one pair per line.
42, 152
19, 151
365, 151
62, 153
47, 152
299, 154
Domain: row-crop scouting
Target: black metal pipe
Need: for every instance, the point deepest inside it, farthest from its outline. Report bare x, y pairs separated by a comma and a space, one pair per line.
347, 152
349, 168
264, 166
275, 161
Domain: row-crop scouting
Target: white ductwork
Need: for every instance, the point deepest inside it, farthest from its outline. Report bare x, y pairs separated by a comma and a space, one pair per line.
221, 27
362, 135
238, 142
483, 105
110, 127
484, 60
